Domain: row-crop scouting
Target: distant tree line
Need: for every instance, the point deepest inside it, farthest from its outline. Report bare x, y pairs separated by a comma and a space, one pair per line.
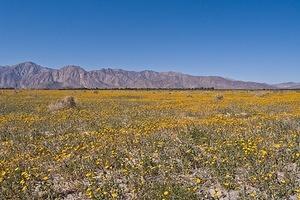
147, 89
66, 88
129, 88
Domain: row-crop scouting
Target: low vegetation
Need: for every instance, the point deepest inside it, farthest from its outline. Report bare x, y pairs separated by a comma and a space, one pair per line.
149, 145
65, 103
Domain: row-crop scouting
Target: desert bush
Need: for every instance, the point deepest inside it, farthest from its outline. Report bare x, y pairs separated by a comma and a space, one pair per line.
219, 97
261, 93
65, 103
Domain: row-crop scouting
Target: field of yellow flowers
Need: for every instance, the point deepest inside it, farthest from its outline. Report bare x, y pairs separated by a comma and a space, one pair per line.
150, 145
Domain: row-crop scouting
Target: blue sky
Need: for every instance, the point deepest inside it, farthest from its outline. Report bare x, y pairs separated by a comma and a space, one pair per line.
256, 40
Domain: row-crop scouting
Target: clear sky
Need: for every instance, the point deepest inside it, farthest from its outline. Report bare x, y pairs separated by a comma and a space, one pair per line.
256, 40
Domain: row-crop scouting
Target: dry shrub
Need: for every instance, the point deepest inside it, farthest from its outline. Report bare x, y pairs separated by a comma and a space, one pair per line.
65, 103
262, 93
219, 97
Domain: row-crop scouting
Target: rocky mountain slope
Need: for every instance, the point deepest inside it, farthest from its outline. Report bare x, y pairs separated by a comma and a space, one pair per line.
31, 75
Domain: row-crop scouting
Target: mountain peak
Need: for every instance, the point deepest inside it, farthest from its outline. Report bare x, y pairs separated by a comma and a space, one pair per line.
27, 64
26, 68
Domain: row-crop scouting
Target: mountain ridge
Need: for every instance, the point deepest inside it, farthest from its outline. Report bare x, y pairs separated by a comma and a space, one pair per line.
31, 75
288, 85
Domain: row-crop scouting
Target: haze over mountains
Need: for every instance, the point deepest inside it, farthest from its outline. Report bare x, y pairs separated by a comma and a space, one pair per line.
31, 75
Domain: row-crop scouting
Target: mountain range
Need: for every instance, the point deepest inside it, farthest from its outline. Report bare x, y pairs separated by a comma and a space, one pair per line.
31, 75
